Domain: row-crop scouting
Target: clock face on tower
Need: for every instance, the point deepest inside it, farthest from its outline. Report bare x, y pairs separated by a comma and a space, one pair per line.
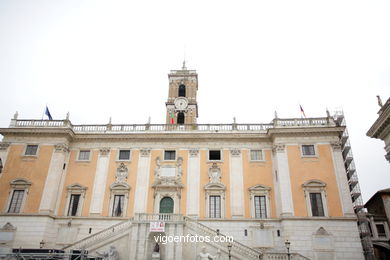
181, 103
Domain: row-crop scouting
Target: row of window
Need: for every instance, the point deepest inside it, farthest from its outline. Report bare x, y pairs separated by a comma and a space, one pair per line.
215, 211
213, 155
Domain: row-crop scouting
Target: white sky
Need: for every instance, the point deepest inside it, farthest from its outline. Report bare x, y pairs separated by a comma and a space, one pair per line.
98, 59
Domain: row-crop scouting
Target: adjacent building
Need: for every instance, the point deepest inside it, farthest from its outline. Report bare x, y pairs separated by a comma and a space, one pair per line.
381, 127
68, 186
378, 207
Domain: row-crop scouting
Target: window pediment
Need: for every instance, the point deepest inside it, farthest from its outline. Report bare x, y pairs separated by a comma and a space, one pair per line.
20, 183
259, 188
314, 184
120, 187
214, 186
76, 187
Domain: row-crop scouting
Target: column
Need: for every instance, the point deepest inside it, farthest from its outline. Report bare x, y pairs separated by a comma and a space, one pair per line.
142, 184
4, 153
99, 185
53, 179
236, 184
281, 165
341, 178
193, 182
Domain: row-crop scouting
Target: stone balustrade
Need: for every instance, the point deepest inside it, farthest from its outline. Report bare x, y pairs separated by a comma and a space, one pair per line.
136, 128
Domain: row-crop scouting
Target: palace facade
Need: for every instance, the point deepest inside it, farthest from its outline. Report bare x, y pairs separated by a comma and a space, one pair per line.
66, 186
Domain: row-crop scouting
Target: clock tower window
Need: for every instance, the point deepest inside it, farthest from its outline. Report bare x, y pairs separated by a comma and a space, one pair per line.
180, 118
182, 90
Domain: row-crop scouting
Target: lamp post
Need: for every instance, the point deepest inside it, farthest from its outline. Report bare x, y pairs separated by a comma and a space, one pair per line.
230, 249
287, 243
41, 244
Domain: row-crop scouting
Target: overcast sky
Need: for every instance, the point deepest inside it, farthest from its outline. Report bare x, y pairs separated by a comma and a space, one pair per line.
101, 59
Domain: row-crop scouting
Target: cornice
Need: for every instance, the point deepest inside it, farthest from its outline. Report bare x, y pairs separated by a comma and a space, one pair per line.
381, 124
48, 132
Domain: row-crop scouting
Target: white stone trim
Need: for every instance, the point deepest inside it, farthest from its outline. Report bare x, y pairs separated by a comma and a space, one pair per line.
236, 184
315, 186
31, 155
75, 189
100, 180
315, 155
124, 160
260, 190
255, 161
50, 192
3, 155
18, 184
341, 179
142, 182
193, 183
283, 180
119, 189
215, 189
159, 195
208, 155
172, 160
78, 155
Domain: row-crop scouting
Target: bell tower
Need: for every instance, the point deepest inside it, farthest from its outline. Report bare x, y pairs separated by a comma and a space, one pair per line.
182, 107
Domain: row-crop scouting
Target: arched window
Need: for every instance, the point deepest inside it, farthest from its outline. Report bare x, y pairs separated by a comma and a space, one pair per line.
166, 205
182, 91
180, 118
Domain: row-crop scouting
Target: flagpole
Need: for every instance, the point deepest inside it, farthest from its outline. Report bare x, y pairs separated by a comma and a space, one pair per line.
43, 114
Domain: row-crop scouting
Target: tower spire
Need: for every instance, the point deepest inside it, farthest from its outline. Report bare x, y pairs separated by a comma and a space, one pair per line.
184, 65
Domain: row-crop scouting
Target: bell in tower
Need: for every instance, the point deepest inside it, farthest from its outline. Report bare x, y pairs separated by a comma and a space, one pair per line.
182, 107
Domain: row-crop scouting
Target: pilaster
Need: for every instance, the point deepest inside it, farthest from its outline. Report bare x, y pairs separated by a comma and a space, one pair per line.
100, 180
282, 168
341, 178
50, 192
236, 184
142, 183
193, 182
4, 154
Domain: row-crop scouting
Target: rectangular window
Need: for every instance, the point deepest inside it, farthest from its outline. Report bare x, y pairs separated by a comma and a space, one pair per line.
380, 228
308, 150
170, 155
256, 155
31, 149
84, 155
317, 208
215, 206
16, 201
215, 155
260, 207
124, 155
73, 204
117, 209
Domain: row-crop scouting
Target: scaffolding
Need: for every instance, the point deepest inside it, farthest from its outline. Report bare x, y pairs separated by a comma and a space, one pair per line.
354, 188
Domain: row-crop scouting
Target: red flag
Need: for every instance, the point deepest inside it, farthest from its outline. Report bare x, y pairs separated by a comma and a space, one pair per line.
303, 112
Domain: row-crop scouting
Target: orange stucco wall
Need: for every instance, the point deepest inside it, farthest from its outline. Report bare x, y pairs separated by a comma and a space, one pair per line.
32, 168
256, 173
82, 173
131, 179
320, 168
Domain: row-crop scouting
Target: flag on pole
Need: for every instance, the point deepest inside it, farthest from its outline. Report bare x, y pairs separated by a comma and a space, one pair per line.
47, 112
303, 112
172, 117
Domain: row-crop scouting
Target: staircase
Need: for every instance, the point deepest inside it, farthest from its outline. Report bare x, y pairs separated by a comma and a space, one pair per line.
100, 236
239, 251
